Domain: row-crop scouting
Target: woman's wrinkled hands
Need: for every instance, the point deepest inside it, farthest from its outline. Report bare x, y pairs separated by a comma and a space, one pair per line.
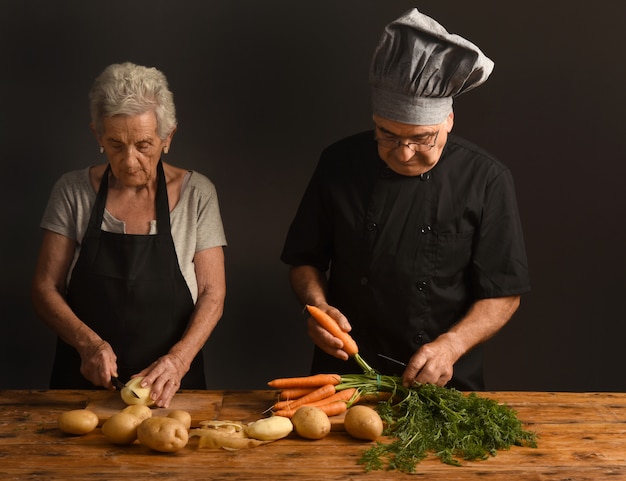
164, 376
324, 339
98, 363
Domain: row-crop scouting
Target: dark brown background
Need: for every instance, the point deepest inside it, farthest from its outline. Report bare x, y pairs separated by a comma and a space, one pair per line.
261, 87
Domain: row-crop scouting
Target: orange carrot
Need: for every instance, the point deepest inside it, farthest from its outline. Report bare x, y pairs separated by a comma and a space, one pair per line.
334, 408
344, 396
331, 409
294, 392
328, 323
323, 392
315, 381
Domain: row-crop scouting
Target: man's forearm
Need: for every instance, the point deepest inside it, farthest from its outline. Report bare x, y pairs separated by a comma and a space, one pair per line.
308, 284
483, 320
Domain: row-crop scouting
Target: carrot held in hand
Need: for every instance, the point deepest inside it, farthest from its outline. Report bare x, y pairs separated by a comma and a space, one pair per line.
349, 344
328, 323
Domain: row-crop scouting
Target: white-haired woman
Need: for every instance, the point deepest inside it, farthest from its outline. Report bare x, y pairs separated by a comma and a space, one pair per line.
130, 274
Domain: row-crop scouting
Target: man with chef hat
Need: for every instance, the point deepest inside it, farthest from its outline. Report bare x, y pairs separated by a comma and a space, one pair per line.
407, 235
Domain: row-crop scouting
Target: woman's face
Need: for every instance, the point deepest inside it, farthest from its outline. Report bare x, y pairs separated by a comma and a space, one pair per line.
133, 147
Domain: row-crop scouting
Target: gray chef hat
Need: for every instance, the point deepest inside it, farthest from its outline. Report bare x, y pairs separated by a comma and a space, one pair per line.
418, 67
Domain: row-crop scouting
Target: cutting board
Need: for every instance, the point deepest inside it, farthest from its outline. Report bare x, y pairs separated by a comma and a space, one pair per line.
202, 405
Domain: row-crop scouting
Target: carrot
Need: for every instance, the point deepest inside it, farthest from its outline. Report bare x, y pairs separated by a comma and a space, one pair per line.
344, 396
320, 393
294, 392
334, 408
331, 409
315, 381
328, 323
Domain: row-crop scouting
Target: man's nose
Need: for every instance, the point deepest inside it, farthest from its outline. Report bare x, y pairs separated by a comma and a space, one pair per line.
404, 153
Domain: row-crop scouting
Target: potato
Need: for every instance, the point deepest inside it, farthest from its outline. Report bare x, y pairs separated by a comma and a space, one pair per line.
363, 422
269, 429
121, 428
183, 416
163, 434
311, 422
140, 410
134, 385
78, 421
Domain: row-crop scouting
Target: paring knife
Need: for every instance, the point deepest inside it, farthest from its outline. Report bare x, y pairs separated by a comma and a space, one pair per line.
393, 360
120, 385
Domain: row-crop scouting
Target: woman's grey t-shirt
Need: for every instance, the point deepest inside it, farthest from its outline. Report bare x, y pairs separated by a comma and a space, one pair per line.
196, 221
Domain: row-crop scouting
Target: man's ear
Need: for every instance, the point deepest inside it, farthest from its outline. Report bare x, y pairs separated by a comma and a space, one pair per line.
450, 122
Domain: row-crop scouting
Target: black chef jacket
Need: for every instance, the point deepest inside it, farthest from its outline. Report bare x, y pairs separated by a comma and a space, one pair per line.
407, 256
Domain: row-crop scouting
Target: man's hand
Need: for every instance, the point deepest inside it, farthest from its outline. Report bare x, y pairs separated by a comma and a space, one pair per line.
324, 339
433, 363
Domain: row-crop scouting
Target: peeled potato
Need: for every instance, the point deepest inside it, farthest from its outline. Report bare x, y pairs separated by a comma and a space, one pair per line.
134, 385
121, 428
163, 434
311, 422
363, 422
140, 410
78, 421
269, 429
183, 416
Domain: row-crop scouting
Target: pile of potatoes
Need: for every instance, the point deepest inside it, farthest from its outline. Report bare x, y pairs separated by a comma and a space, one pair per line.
360, 422
171, 433
166, 434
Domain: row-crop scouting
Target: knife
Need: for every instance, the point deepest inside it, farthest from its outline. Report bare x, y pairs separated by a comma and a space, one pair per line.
120, 385
393, 360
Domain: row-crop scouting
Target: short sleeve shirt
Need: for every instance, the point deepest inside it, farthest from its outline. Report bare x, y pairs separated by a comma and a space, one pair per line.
407, 256
196, 222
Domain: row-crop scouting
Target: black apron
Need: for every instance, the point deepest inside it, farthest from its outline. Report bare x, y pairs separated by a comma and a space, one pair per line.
130, 290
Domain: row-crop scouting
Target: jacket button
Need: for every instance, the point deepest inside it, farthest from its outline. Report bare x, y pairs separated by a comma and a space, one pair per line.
364, 281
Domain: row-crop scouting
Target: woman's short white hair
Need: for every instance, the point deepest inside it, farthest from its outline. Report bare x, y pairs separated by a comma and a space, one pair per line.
129, 89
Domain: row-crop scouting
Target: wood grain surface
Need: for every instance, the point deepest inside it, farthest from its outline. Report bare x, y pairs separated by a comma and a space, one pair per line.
582, 436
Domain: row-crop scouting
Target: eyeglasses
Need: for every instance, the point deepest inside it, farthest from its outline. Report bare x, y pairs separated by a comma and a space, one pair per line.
414, 146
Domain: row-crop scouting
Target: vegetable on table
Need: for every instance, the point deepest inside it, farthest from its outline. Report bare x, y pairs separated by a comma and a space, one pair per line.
313, 381
420, 420
78, 421
363, 422
311, 422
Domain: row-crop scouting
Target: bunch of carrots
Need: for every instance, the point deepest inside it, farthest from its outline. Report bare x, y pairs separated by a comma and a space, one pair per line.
324, 391
332, 393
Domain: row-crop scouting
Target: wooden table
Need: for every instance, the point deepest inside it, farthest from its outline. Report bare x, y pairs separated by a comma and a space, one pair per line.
582, 437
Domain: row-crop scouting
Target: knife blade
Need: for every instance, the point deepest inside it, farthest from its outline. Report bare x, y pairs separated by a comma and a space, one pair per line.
392, 360
120, 385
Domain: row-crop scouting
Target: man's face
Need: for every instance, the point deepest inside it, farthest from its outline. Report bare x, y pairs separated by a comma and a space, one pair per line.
411, 149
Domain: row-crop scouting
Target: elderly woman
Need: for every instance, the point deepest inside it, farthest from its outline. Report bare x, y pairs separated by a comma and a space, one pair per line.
131, 270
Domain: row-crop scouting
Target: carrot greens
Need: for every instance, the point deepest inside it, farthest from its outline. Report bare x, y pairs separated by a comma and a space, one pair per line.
446, 422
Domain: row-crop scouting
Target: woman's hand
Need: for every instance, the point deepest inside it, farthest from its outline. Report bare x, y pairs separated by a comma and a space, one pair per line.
164, 376
98, 363
324, 339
